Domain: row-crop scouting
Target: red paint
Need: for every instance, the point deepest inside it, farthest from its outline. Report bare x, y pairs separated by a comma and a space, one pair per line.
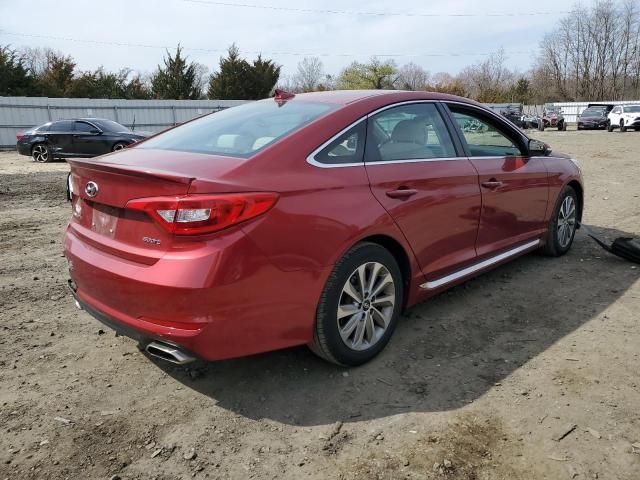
254, 286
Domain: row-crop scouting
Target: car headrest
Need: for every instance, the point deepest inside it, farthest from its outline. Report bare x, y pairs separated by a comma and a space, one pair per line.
410, 131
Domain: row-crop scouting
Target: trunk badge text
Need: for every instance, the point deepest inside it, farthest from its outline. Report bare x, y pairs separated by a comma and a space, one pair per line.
153, 241
91, 189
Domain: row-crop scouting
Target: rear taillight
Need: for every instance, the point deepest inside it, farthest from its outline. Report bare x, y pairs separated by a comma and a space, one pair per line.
200, 214
19, 135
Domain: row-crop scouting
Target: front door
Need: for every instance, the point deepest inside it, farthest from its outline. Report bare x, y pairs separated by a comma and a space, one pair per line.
87, 141
514, 186
425, 184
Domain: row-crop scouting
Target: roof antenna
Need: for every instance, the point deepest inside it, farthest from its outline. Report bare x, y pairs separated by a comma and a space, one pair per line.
281, 96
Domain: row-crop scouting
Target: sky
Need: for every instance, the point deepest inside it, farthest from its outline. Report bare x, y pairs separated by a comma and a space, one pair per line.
439, 36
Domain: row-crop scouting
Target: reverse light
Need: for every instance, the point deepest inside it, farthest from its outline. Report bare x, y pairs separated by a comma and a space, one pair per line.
201, 214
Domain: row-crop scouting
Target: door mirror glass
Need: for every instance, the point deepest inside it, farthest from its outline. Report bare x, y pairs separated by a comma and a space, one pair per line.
538, 148
95, 131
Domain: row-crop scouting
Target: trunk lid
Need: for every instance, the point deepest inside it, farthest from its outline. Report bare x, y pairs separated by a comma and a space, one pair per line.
103, 186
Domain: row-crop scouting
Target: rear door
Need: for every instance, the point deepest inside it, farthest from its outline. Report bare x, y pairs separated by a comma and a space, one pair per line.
60, 136
418, 174
514, 185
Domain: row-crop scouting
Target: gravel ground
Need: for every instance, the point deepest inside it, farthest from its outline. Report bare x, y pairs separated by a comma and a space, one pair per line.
480, 382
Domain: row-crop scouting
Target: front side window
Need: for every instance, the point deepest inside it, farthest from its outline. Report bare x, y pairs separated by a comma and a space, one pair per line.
408, 132
484, 138
240, 131
616, 110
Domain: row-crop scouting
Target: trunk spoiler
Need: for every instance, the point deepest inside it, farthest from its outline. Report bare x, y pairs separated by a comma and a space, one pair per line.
131, 170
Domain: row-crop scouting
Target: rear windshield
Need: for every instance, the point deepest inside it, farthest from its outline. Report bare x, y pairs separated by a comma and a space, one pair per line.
239, 131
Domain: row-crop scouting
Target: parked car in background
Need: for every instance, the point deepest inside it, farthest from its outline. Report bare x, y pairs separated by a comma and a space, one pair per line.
624, 117
552, 118
308, 219
514, 114
593, 117
81, 137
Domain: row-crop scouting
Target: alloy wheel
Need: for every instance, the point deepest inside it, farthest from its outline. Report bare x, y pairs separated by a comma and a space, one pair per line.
40, 153
566, 221
366, 306
118, 146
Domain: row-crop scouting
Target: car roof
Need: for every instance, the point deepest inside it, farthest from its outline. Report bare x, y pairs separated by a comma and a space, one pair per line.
344, 97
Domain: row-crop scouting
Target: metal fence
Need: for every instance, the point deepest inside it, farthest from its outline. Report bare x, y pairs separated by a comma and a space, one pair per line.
18, 114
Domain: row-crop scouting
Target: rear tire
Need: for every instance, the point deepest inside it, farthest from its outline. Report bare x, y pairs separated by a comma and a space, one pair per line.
41, 153
359, 306
562, 226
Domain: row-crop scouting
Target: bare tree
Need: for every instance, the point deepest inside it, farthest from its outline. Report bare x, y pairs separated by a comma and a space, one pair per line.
412, 77
593, 54
309, 74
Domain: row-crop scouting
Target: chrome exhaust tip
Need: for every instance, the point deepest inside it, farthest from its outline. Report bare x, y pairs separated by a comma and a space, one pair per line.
170, 353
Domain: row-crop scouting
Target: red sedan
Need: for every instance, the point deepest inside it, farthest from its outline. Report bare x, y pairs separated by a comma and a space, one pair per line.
310, 219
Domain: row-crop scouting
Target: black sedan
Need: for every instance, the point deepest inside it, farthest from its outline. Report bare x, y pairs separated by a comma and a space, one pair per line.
82, 137
593, 117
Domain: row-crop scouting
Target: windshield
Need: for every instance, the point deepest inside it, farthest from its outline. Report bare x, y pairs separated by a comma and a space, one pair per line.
239, 131
110, 126
632, 109
593, 111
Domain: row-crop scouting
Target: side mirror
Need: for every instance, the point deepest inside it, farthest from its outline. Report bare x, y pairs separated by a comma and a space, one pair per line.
95, 131
538, 148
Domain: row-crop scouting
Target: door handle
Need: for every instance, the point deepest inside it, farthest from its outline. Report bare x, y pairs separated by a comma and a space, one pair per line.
402, 193
492, 184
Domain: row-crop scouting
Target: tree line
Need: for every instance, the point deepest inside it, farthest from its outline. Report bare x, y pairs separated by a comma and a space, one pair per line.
47, 73
592, 54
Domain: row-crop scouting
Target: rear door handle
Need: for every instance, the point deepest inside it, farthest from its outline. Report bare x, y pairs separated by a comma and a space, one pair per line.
402, 193
492, 184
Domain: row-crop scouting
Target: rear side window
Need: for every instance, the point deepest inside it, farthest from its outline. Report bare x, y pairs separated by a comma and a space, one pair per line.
408, 132
347, 148
43, 128
240, 131
62, 126
84, 127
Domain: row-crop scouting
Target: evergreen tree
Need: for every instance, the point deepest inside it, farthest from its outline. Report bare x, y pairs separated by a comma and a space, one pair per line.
237, 79
177, 80
14, 76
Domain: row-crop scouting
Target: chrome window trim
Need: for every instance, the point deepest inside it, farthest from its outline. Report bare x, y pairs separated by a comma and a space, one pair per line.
311, 157
430, 285
415, 160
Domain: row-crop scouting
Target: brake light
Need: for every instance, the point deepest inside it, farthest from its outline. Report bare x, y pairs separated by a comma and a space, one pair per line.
19, 135
200, 214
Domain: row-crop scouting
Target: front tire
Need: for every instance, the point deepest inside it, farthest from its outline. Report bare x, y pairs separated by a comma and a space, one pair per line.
610, 127
119, 146
41, 153
359, 306
623, 128
562, 227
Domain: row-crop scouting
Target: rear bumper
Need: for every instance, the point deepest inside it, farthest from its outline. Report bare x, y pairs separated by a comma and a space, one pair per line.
222, 301
23, 148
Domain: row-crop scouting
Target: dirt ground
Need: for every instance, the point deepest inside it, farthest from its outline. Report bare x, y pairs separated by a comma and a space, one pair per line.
478, 383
